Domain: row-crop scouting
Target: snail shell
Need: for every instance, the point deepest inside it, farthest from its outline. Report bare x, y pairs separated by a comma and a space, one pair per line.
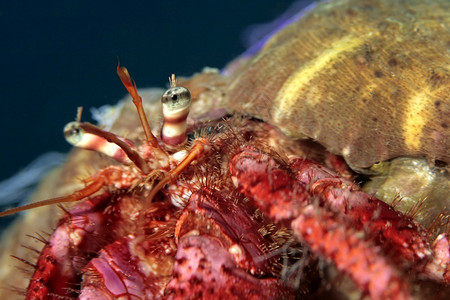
369, 80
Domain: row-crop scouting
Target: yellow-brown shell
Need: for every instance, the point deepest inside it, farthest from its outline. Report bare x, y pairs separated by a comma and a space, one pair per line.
370, 80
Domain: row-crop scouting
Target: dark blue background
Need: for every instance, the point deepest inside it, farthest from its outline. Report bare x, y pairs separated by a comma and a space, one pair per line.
57, 55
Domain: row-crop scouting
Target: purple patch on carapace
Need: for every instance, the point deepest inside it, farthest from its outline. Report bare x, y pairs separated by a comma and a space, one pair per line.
257, 35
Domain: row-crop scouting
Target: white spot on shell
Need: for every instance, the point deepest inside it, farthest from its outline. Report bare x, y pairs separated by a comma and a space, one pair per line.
346, 151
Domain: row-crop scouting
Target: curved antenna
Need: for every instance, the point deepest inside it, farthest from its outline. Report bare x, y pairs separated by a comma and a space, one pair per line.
130, 85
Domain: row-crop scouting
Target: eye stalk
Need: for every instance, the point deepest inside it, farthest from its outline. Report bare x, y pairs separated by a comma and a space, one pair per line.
176, 102
91, 137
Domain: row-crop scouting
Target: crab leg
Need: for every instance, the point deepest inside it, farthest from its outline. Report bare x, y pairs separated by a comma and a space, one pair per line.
95, 186
351, 254
201, 145
286, 199
105, 177
76, 236
408, 239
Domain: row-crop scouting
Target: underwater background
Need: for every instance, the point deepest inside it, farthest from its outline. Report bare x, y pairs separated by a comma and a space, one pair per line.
58, 55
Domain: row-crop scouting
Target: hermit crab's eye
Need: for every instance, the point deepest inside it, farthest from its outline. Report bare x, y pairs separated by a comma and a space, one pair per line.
176, 98
176, 102
73, 133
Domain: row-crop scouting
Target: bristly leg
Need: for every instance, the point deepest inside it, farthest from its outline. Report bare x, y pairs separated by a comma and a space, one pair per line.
76, 196
360, 259
407, 241
199, 149
106, 177
286, 194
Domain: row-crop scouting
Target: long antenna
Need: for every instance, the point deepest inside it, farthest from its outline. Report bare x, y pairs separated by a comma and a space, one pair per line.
130, 85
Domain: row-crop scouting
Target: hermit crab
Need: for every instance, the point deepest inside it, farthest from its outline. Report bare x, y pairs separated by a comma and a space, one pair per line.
230, 202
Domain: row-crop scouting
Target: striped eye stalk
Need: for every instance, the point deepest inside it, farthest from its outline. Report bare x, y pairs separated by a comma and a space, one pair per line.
175, 103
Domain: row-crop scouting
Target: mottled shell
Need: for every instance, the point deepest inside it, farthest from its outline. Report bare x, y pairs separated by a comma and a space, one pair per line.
370, 80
